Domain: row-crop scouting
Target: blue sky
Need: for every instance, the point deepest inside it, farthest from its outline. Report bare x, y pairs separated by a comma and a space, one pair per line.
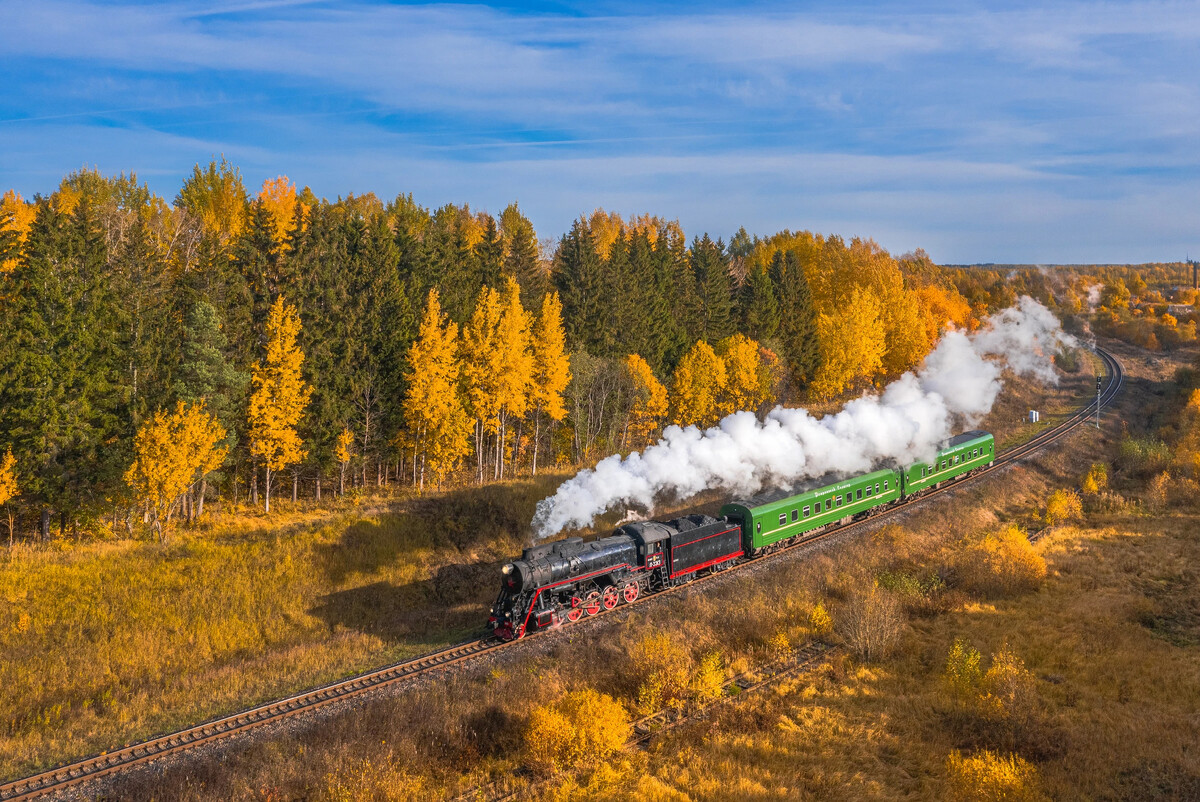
982, 132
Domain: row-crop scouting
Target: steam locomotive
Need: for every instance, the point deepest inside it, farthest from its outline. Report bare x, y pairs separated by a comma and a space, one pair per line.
555, 583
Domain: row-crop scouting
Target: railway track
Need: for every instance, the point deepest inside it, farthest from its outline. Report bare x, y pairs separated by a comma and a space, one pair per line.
108, 763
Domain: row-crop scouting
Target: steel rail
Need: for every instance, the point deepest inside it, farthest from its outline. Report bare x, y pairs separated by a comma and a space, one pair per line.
107, 763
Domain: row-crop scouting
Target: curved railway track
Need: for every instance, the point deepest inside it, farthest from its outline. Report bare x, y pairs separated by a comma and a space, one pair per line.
107, 763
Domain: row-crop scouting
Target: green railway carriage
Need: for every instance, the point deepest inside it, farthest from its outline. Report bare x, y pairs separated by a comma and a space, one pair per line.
778, 515
961, 453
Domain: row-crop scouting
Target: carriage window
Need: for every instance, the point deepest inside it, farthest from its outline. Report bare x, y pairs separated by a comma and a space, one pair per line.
877, 487
858, 495
849, 497
828, 503
869, 489
885, 481
759, 528
795, 514
782, 518
806, 511
839, 500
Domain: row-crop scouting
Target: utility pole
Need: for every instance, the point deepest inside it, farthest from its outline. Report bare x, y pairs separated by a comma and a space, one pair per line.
1098, 379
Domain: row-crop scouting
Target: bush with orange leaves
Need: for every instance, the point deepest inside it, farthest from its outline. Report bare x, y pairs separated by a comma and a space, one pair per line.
1001, 564
991, 777
583, 726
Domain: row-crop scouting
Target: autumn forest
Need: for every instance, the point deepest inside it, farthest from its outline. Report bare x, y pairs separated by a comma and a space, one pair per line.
227, 346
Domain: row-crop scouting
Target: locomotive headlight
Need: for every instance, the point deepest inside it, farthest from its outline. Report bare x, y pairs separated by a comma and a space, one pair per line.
506, 570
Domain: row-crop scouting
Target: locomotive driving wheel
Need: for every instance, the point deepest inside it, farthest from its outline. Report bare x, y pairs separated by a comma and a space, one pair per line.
576, 611
591, 603
611, 598
630, 592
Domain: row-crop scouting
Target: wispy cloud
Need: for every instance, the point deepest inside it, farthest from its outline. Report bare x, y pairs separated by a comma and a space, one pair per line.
927, 124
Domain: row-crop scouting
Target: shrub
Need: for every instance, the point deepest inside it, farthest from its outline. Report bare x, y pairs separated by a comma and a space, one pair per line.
708, 683
1143, 455
871, 621
1062, 506
990, 777
580, 727
1156, 491
665, 669
1009, 698
963, 675
820, 621
1001, 564
1095, 480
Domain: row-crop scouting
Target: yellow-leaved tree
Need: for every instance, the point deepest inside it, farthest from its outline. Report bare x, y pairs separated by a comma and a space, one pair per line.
551, 368
172, 451
278, 198
8, 488
748, 379
852, 344
217, 198
278, 395
697, 386
481, 367
433, 409
342, 453
649, 400
516, 367
17, 216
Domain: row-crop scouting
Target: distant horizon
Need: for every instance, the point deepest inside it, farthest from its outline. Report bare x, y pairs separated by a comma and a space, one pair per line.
1001, 132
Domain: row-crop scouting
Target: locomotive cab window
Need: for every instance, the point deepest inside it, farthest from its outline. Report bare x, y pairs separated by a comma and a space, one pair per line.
795, 514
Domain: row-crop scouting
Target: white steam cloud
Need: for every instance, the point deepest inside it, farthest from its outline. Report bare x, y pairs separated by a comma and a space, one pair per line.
957, 382
1093, 299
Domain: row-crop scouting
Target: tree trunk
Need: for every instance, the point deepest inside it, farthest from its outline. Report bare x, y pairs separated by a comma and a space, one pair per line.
267, 488
200, 499
295, 485
421, 487
342, 484
537, 433
254, 483
378, 473
45, 524
318, 487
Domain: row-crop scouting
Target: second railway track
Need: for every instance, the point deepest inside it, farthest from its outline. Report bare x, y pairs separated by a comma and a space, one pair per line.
108, 763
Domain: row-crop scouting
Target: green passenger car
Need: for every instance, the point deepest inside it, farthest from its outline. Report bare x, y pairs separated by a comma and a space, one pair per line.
778, 515
961, 453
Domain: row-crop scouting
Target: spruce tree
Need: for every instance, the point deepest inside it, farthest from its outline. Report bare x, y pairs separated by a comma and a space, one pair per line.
580, 284
714, 289
760, 306
798, 326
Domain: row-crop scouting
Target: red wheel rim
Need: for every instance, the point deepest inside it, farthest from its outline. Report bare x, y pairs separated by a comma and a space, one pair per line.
575, 614
592, 602
630, 593
611, 598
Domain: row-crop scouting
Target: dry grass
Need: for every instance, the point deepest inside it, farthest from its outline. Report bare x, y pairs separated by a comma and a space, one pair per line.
105, 643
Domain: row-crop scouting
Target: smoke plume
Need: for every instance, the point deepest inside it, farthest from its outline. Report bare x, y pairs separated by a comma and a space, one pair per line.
957, 384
